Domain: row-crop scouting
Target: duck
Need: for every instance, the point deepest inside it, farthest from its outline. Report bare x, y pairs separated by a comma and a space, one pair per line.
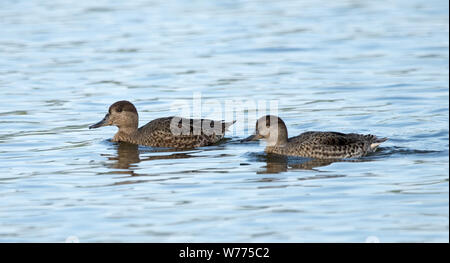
312, 144
166, 132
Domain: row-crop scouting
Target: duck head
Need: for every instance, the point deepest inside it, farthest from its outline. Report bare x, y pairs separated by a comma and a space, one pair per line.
122, 114
270, 128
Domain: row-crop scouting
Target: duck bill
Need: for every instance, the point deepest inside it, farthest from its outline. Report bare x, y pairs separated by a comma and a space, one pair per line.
253, 137
104, 122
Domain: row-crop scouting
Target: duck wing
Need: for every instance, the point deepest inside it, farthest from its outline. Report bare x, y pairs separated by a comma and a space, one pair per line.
332, 138
333, 144
182, 132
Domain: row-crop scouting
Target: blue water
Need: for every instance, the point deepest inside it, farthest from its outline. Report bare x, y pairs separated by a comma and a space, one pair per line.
377, 67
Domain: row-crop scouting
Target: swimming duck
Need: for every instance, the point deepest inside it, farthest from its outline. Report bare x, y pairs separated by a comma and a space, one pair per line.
170, 132
313, 144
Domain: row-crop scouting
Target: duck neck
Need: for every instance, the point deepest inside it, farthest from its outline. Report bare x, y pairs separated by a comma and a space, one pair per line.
126, 134
278, 138
128, 130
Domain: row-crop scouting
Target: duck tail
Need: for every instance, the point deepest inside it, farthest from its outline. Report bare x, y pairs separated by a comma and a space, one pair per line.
376, 142
226, 125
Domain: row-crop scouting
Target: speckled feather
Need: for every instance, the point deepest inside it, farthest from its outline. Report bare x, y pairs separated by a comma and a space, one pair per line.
157, 133
327, 145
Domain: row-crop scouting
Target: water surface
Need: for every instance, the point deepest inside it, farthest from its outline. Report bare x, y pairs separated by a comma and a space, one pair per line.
348, 66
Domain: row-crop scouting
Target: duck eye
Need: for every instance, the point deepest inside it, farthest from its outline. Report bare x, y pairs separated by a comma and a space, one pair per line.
119, 110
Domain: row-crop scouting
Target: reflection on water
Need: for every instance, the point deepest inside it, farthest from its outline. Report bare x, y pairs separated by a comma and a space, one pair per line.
279, 163
129, 154
275, 163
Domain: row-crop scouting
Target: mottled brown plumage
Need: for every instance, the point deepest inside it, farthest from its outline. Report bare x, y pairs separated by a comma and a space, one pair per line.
313, 144
172, 132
